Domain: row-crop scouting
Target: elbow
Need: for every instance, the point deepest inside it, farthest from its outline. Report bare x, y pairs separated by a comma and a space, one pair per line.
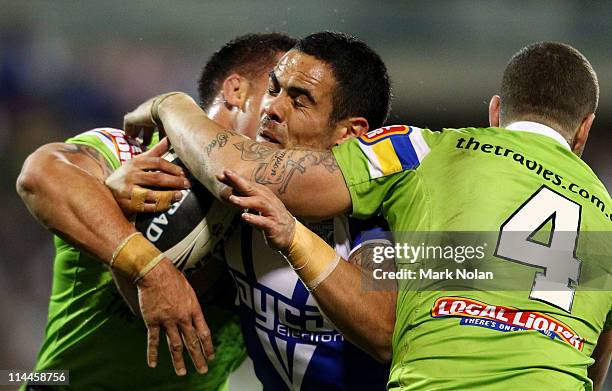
34, 178
383, 354
36, 173
27, 182
380, 347
29, 187
383, 351
384, 347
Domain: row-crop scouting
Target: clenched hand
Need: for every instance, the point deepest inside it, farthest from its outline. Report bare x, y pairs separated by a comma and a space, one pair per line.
146, 174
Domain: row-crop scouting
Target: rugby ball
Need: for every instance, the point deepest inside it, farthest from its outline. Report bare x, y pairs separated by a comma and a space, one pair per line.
188, 232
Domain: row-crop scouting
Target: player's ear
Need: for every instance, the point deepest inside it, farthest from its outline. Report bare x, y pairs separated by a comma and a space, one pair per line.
235, 89
351, 127
494, 111
582, 133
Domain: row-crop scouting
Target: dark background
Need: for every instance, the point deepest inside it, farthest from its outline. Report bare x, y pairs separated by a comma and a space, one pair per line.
68, 66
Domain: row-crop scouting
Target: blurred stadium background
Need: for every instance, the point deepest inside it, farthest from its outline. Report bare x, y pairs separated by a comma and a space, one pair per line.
68, 66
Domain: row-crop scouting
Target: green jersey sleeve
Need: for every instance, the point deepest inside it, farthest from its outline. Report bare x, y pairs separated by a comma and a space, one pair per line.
608, 325
374, 162
111, 143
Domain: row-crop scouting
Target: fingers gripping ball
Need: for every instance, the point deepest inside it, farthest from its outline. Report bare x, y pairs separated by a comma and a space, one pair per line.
191, 228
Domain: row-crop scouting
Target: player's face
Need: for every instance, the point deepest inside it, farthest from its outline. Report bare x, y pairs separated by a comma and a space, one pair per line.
297, 106
247, 120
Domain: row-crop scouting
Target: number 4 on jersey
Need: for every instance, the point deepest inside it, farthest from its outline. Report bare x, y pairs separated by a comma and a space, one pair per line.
516, 243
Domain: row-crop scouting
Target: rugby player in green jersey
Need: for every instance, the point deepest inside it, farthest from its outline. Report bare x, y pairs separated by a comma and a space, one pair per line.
517, 176
90, 331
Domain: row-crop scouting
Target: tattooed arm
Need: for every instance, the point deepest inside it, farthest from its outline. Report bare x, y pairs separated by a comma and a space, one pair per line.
308, 182
63, 187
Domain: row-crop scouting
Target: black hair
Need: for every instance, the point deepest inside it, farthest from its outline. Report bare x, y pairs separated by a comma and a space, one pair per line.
363, 87
248, 55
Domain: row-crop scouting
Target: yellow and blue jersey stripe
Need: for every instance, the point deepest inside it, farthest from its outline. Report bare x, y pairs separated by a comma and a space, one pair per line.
393, 149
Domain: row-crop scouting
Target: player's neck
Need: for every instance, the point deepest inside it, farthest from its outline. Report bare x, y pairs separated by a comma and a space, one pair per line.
538, 127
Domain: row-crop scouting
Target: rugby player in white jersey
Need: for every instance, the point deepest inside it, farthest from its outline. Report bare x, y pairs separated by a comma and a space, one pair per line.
315, 100
317, 86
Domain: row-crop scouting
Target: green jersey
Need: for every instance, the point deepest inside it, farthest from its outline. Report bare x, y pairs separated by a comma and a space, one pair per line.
92, 333
535, 331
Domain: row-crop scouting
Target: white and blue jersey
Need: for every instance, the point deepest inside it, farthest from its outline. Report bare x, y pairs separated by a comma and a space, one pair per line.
292, 345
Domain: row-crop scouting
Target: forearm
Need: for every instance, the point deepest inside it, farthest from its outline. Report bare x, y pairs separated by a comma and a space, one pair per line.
365, 317
195, 138
72, 202
308, 182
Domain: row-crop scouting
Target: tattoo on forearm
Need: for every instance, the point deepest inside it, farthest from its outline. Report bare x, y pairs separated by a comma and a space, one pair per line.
85, 150
253, 151
276, 166
326, 159
283, 164
219, 141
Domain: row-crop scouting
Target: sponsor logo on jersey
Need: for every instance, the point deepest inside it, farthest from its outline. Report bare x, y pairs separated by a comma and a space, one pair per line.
289, 332
387, 131
124, 148
502, 318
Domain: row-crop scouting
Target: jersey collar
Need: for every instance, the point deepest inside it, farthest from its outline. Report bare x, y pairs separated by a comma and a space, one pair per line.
536, 127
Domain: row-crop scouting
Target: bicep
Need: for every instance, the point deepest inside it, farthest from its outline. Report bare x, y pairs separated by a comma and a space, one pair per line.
84, 157
373, 262
49, 164
309, 183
